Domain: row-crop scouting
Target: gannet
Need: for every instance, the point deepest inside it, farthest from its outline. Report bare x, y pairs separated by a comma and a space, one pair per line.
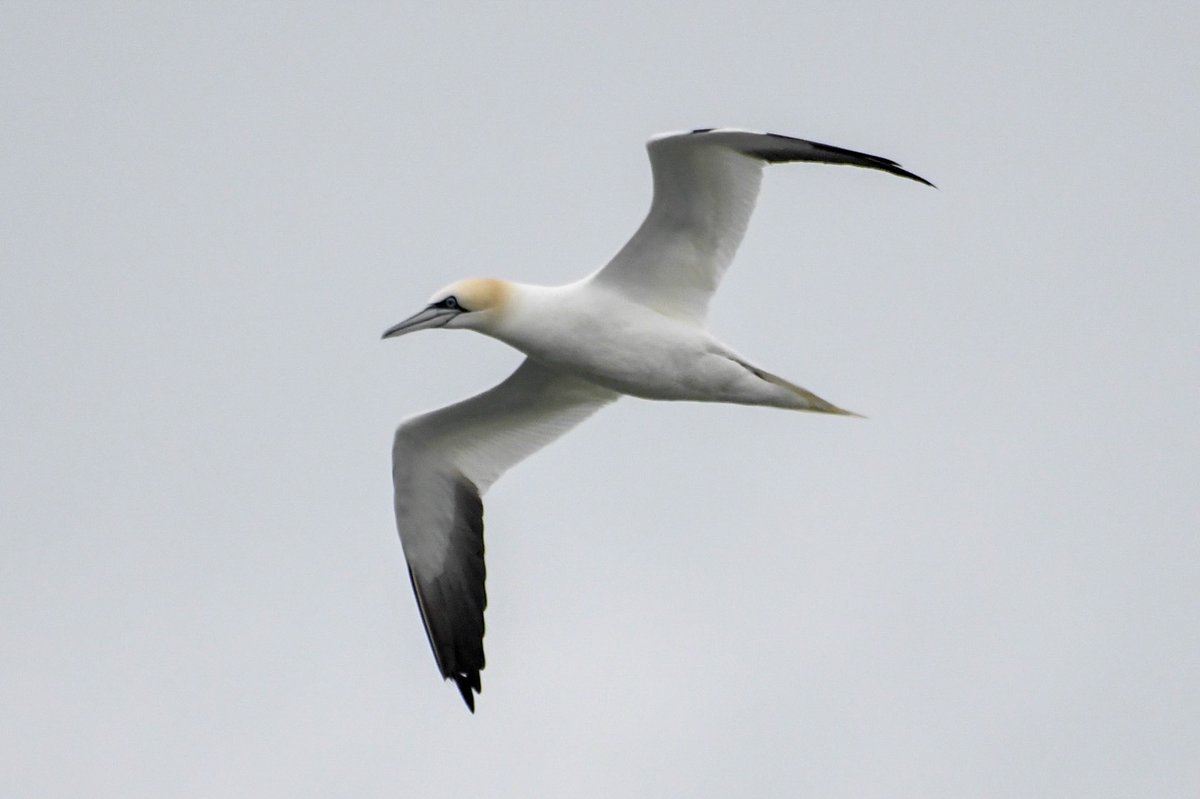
636, 326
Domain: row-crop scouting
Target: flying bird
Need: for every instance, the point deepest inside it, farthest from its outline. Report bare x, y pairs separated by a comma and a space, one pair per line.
636, 326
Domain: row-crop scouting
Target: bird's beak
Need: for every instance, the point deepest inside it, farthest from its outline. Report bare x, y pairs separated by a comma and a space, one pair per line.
429, 317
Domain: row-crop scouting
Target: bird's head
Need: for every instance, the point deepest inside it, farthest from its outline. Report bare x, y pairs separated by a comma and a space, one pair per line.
472, 304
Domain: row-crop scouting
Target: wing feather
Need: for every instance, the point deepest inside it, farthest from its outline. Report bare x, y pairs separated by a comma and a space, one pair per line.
442, 463
706, 183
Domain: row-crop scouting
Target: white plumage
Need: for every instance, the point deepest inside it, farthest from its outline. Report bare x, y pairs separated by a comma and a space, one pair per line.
634, 327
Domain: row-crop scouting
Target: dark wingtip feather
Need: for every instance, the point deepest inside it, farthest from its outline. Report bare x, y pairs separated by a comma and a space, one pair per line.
904, 173
870, 161
839, 154
452, 603
467, 685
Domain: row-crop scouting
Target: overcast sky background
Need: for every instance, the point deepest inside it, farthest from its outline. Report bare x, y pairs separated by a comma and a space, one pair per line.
209, 213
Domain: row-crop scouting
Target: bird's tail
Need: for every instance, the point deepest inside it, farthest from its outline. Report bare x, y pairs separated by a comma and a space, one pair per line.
805, 399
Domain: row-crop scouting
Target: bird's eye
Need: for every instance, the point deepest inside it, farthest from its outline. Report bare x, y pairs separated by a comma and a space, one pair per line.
450, 302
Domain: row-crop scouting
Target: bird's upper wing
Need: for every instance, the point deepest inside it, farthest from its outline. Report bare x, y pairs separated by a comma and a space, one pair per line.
705, 186
442, 462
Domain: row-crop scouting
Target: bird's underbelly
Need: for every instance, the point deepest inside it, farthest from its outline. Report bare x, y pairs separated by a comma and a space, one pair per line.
651, 375
653, 367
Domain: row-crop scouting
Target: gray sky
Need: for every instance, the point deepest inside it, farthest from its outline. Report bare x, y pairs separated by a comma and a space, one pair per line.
209, 213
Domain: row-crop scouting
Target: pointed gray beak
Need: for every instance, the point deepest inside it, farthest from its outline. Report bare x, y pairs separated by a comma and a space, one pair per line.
429, 317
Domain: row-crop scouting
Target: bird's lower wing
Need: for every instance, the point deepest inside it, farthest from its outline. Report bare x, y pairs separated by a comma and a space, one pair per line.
442, 462
706, 183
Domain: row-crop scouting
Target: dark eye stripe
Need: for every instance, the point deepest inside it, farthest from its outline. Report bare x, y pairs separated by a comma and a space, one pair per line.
451, 303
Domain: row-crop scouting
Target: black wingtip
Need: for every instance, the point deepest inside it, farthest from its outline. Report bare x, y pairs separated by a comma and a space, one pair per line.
467, 687
870, 161
904, 173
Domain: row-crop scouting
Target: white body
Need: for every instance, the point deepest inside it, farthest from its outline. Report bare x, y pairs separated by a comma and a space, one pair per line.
634, 327
589, 331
